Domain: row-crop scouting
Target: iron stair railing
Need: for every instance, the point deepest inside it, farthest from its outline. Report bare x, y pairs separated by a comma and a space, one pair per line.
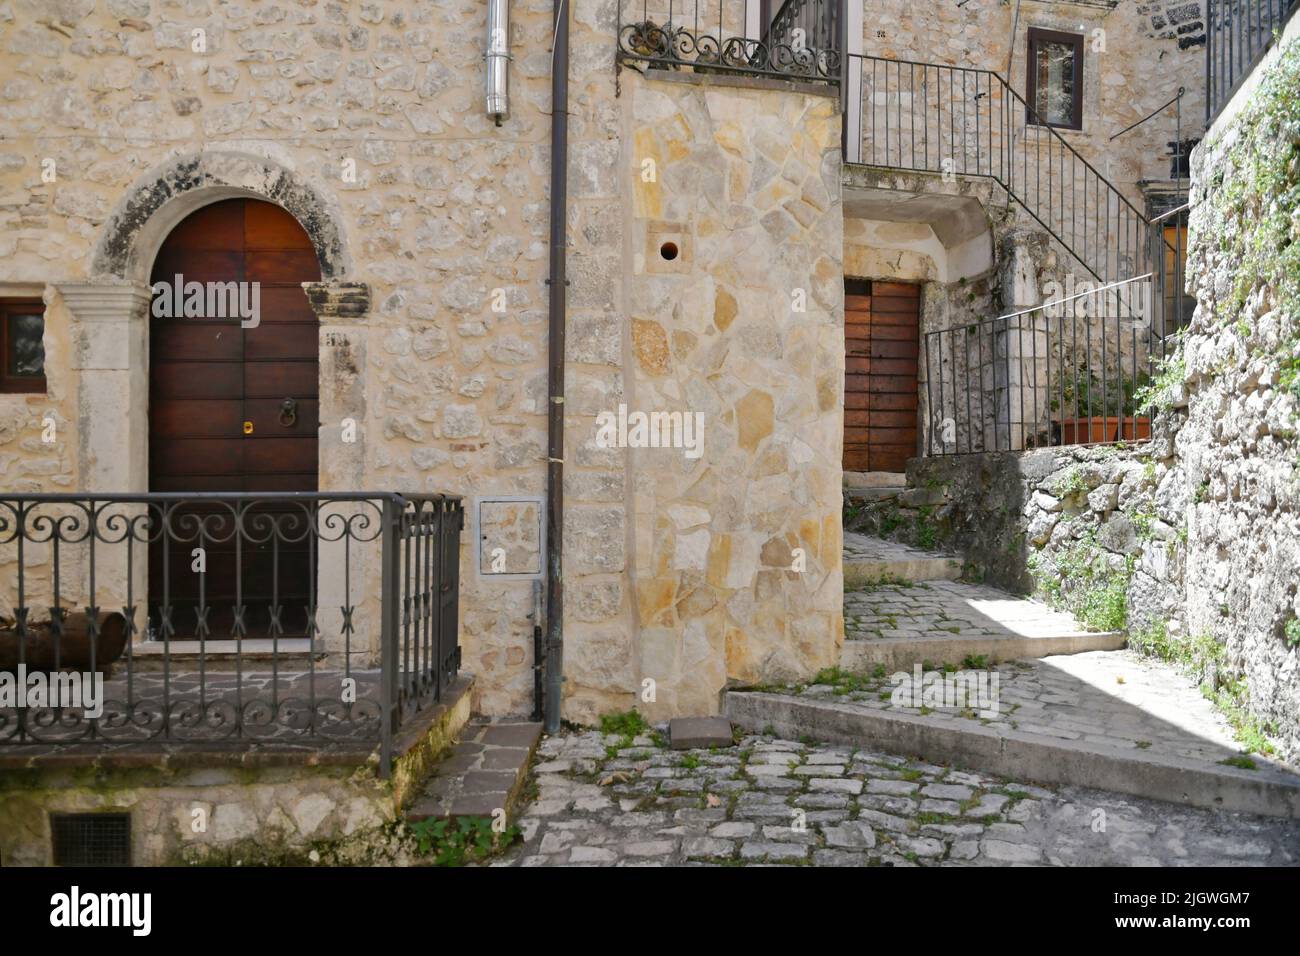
961, 121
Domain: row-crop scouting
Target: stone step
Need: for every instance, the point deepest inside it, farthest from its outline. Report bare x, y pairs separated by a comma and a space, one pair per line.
875, 479
871, 494
484, 771
1106, 720
900, 654
868, 560
948, 622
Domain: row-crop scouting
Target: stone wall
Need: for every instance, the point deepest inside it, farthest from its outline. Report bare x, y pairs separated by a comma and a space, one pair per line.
1237, 451
1143, 54
233, 807
366, 121
1034, 522
216, 815
740, 322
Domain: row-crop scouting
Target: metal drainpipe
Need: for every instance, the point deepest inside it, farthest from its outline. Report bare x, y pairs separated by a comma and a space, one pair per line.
555, 376
497, 57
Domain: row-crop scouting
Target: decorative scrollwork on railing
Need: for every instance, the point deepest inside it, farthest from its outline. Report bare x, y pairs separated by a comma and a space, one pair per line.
119, 600
678, 47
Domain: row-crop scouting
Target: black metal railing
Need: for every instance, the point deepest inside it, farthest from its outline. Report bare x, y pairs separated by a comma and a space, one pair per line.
796, 39
212, 618
959, 121
1238, 34
805, 24
1073, 370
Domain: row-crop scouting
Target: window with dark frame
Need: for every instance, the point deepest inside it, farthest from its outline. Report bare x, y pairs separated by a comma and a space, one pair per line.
1054, 70
22, 345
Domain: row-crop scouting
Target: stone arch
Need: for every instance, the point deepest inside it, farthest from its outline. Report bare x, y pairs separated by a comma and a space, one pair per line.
160, 199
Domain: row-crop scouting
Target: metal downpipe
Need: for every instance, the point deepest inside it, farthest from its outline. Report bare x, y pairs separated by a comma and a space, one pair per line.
554, 683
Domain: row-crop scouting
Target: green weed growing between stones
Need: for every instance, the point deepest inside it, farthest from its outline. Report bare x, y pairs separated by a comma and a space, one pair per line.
1082, 580
629, 724
462, 840
1201, 656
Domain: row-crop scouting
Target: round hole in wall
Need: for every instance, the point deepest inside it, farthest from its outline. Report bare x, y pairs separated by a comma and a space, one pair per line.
668, 250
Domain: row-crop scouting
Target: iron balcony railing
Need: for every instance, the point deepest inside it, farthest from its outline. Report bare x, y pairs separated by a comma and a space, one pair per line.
1073, 370
296, 619
960, 121
1238, 34
796, 39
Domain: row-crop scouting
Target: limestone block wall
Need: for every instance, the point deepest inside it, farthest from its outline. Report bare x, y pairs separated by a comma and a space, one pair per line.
1237, 470
375, 106
735, 299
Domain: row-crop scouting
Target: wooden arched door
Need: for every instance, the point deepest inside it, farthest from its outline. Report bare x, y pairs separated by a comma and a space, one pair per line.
218, 392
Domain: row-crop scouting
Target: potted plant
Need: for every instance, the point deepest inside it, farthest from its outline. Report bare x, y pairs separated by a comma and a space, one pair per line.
1087, 410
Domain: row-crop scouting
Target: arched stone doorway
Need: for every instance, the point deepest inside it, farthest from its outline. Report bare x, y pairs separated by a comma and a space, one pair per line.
110, 314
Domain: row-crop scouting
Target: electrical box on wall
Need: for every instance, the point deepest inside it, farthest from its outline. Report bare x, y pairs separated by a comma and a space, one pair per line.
510, 536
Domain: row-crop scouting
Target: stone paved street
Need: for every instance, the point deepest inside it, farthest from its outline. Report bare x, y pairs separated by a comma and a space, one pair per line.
1113, 698
863, 547
936, 608
605, 800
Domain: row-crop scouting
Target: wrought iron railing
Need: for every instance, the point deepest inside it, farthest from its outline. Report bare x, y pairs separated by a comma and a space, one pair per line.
1238, 34
1072, 371
800, 40
959, 121
279, 619
805, 24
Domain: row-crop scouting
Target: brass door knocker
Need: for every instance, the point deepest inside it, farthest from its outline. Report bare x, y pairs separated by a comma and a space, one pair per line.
288, 412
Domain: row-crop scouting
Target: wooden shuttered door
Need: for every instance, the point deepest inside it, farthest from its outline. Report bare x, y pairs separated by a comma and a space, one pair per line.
881, 335
208, 378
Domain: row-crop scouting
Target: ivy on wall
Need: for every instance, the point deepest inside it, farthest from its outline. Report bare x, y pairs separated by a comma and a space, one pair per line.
1254, 209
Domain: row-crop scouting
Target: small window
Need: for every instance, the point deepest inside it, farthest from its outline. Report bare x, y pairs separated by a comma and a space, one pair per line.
1055, 79
22, 347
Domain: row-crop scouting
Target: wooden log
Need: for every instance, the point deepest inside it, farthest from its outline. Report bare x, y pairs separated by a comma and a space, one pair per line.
73, 644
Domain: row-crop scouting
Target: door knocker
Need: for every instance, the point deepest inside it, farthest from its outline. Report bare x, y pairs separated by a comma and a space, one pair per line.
288, 413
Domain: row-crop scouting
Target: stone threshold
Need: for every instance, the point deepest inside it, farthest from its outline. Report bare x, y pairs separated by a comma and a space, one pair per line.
247, 649
860, 572
1022, 755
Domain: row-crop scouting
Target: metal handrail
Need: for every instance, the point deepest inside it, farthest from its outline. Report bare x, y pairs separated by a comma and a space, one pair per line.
998, 164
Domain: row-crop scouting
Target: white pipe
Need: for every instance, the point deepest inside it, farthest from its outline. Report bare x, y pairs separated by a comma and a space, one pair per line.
497, 75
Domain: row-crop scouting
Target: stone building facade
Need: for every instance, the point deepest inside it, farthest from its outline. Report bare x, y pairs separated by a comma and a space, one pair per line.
1194, 533
364, 120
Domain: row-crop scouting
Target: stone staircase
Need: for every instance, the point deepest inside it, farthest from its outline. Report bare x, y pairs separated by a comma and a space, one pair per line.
483, 773
904, 606
1058, 704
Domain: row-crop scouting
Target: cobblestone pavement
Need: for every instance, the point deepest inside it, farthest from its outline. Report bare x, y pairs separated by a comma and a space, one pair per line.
1115, 698
863, 547
940, 608
602, 800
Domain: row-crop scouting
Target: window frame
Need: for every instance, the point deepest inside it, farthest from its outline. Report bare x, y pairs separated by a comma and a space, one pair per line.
19, 384
1039, 35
